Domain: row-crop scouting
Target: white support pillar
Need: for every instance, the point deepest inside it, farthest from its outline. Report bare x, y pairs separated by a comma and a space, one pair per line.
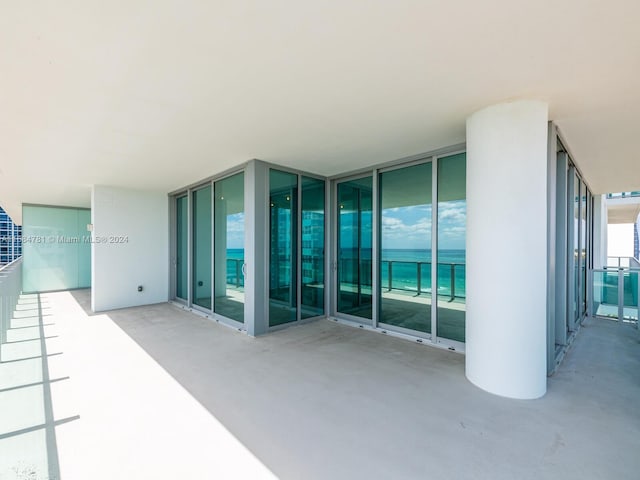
600, 221
506, 351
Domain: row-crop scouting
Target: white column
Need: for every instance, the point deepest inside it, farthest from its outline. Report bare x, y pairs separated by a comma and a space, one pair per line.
507, 249
599, 231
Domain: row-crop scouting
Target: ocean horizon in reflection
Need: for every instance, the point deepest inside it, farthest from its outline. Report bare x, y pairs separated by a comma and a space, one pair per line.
404, 270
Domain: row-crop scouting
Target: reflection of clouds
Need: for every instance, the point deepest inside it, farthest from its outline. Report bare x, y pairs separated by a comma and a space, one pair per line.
391, 222
400, 231
454, 231
407, 210
454, 213
235, 230
410, 227
235, 222
452, 218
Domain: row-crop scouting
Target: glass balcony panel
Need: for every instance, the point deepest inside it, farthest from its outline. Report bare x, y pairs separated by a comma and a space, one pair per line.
605, 294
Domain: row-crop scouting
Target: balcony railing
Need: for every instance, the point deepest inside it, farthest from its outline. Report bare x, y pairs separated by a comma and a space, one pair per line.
623, 194
407, 276
395, 275
235, 277
615, 293
10, 288
622, 262
416, 277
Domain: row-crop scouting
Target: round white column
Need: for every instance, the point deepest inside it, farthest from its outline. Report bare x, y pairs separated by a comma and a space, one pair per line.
506, 283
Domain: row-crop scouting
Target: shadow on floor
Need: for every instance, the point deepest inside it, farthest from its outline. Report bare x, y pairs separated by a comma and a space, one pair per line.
28, 444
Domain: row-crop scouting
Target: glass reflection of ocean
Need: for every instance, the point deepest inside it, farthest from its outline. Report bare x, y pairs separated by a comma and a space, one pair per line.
404, 270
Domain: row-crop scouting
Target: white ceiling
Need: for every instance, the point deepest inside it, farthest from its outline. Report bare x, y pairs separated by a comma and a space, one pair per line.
157, 94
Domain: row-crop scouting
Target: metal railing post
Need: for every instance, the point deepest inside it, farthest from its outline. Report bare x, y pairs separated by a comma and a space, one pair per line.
237, 273
453, 282
390, 272
620, 296
419, 272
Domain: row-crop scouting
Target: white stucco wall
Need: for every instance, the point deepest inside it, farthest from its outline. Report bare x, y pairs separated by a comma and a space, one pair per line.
600, 221
507, 249
130, 248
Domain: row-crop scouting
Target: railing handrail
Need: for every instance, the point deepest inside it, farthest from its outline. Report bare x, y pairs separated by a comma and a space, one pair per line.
11, 264
615, 269
422, 262
418, 276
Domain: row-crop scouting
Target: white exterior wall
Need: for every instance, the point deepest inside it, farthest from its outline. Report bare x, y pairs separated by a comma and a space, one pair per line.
506, 351
142, 219
600, 221
620, 240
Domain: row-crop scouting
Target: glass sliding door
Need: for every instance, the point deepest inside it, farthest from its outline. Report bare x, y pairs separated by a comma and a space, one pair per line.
576, 251
451, 255
583, 249
283, 271
201, 281
229, 247
182, 246
405, 247
410, 275
355, 239
312, 285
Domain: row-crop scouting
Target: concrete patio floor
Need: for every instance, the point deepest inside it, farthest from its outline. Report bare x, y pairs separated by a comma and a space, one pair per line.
159, 393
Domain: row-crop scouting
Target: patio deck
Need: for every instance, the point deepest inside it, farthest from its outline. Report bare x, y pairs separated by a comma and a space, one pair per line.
156, 392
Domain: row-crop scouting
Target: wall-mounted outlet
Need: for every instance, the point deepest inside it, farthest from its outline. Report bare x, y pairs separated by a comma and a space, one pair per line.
140, 288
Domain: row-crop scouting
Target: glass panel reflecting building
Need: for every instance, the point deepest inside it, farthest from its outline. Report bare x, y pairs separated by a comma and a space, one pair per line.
10, 239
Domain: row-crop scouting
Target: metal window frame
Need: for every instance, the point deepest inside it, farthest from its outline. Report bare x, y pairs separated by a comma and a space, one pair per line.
448, 342
253, 212
207, 311
297, 230
173, 248
335, 234
187, 192
213, 314
374, 323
